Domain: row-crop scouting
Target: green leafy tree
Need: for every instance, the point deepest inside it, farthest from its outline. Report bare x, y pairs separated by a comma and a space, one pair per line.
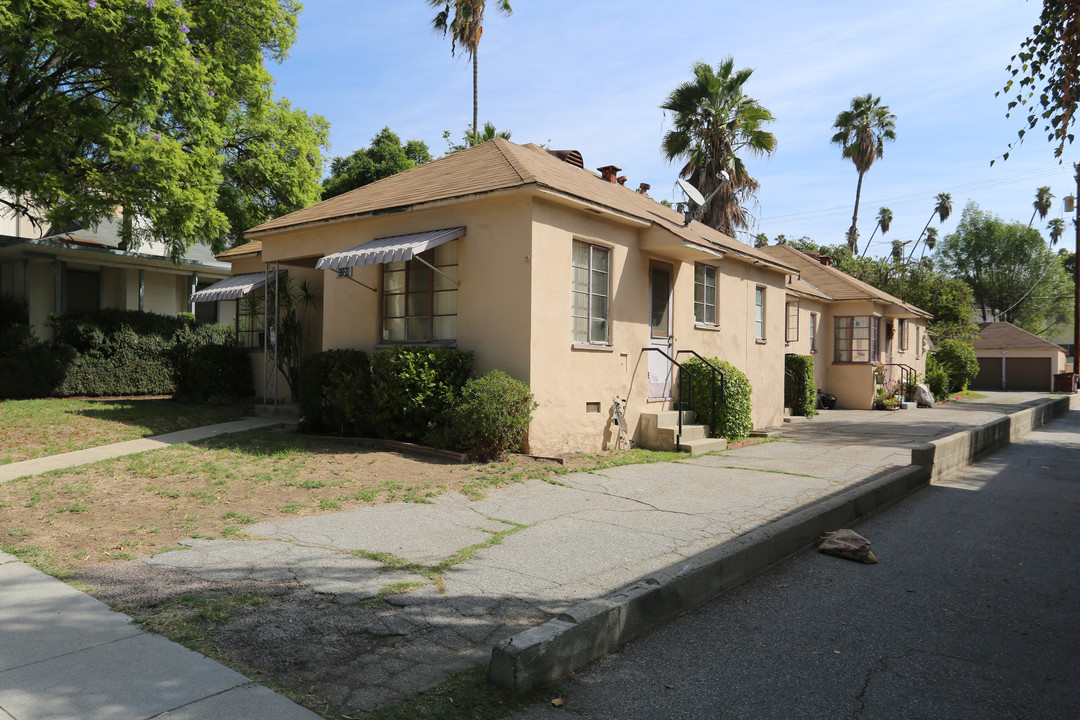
1044, 200
470, 138
463, 21
714, 123
386, 156
861, 133
162, 108
1045, 75
1012, 272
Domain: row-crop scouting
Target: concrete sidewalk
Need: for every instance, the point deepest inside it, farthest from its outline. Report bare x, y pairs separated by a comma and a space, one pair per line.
599, 557
66, 656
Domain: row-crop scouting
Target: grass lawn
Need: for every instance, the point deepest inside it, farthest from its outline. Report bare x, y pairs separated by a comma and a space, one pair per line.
135, 506
36, 428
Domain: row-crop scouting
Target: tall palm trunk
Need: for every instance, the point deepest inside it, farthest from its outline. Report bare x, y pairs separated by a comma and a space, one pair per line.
475, 102
853, 233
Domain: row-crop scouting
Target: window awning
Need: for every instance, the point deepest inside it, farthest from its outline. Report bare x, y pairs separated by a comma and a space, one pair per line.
230, 288
389, 249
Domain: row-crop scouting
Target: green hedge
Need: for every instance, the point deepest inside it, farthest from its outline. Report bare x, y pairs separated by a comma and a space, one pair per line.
800, 390
122, 352
489, 417
413, 387
732, 419
957, 359
335, 392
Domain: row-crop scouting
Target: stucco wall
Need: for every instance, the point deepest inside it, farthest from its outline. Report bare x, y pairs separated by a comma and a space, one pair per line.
572, 381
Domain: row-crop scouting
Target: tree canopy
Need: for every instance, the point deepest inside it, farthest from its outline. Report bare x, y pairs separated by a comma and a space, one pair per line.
1045, 75
161, 108
1011, 271
715, 124
386, 156
471, 138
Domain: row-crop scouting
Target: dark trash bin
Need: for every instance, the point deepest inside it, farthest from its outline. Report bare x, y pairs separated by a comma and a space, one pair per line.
1065, 382
826, 400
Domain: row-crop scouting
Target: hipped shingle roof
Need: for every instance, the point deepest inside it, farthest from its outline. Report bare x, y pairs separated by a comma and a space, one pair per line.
499, 165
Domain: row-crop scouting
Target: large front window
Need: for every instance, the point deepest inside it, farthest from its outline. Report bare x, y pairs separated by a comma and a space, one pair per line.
856, 339
590, 287
420, 300
705, 295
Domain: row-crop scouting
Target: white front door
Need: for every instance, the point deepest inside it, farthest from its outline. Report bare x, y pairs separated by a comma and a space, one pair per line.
660, 368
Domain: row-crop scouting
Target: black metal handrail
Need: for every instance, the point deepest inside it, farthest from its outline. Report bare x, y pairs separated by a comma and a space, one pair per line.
717, 381
689, 395
676, 363
907, 375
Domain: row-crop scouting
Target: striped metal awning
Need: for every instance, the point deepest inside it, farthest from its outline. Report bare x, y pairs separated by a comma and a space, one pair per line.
230, 288
389, 249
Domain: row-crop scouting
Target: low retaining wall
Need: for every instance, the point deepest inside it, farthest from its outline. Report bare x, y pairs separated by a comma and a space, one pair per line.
593, 628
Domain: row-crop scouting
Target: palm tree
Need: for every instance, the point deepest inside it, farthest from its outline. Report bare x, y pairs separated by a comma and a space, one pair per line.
898, 250
1057, 229
943, 209
884, 221
861, 133
930, 240
465, 28
1044, 200
714, 123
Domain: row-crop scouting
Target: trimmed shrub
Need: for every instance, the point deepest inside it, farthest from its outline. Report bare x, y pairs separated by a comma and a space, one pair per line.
490, 417
957, 359
732, 418
123, 363
800, 391
214, 373
936, 379
85, 330
34, 372
413, 387
335, 392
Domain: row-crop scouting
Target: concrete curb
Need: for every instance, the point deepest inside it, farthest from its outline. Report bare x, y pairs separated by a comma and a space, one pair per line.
593, 628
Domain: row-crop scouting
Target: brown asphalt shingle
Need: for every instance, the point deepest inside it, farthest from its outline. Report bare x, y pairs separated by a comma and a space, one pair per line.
1006, 336
499, 165
838, 285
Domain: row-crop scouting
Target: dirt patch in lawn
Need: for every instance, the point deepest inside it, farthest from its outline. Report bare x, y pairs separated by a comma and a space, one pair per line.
136, 506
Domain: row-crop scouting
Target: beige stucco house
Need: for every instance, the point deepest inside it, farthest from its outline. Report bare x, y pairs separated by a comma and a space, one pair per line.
1011, 358
87, 268
557, 275
849, 327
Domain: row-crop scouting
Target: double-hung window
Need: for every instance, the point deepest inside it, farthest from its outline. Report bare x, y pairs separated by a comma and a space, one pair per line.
813, 332
903, 333
791, 333
759, 313
420, 304
590, 289
705, 295
856, 339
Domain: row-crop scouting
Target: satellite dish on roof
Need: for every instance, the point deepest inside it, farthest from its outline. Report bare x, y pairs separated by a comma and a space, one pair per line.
692, 210
691, 192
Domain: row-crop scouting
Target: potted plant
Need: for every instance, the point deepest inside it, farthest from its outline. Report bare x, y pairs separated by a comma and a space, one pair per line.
879, 373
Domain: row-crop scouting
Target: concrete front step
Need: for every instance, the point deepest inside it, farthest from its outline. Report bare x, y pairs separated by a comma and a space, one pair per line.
287, 412
699, 447
659, 431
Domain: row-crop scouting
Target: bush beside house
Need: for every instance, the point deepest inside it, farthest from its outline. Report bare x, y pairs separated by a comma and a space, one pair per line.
800, 393
732, 418
955, 360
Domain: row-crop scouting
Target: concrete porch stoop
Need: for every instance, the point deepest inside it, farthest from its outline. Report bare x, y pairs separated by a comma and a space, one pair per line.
660, 429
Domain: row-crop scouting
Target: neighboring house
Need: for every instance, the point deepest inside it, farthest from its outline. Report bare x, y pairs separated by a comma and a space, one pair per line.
563, 278
80, 268
849, 327
1011, 358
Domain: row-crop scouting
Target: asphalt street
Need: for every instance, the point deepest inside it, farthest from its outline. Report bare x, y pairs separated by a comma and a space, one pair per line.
972, 612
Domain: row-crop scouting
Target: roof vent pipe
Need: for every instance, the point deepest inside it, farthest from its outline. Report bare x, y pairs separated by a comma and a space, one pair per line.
643, 188
570, 157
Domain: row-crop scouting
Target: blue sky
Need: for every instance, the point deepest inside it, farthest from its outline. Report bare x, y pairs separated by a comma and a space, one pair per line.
590, 75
